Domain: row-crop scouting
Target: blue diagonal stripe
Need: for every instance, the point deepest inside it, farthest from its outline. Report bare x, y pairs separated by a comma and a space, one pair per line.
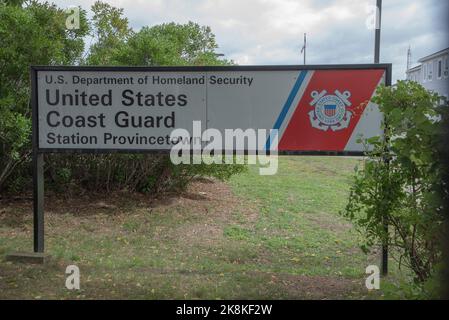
286, 108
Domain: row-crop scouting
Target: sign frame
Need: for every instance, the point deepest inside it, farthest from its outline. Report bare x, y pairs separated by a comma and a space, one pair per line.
38, 153
34, 99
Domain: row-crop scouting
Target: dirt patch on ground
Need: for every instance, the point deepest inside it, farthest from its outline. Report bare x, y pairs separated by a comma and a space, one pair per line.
208, 205
329, 222
202, 194
212, 205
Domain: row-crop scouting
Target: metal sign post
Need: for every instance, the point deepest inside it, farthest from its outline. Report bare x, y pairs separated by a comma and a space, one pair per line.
38, 176
38, 202
384, 259
37, 256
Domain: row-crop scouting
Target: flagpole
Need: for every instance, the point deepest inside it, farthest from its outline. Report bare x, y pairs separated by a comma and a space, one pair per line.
305, 47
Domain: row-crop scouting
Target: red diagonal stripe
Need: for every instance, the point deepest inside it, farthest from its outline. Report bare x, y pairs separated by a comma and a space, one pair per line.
301, 136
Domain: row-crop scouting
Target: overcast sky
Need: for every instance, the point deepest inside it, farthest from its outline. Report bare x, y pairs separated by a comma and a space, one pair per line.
271, 31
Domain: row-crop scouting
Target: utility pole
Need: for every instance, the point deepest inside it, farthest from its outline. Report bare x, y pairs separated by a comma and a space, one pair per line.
377, 36
304, 47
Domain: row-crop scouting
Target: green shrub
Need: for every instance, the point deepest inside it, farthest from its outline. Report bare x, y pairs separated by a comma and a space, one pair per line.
400, 183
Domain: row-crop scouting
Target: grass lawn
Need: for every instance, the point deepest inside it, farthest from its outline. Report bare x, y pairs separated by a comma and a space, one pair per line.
254, 237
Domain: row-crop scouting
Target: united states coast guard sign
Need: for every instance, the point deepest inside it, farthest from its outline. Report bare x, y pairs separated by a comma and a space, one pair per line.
311, 109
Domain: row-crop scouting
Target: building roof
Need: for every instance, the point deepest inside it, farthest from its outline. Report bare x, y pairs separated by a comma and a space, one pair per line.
417, 68
434, 55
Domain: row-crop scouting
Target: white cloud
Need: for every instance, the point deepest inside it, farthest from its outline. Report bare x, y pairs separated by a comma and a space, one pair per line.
271, 31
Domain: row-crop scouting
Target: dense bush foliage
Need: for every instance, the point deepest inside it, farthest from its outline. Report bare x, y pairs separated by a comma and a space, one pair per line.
133, 172
33, 33
400, 183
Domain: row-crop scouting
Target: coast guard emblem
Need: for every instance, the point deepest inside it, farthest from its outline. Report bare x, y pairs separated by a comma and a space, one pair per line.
330, 110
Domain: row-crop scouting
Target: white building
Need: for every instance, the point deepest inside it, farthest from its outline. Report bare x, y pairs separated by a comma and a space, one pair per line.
433, 72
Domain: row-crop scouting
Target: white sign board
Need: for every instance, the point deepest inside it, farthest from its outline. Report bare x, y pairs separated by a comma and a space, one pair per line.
318, 108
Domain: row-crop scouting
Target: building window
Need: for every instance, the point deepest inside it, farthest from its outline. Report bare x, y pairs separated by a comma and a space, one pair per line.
424, 73
430, 71
440, 68
446, 67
